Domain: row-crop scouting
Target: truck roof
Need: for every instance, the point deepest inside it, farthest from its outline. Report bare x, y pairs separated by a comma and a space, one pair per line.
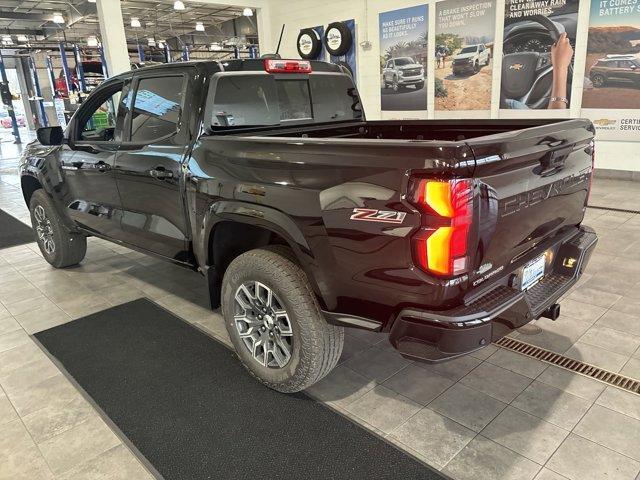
234, 65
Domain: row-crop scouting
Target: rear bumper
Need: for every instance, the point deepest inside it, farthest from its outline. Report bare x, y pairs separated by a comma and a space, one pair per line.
433, 336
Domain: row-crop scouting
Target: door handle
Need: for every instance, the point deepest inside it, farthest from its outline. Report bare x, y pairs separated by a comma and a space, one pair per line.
161, 173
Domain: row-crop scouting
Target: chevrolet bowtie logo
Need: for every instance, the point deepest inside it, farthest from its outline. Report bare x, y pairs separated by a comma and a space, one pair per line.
516, 66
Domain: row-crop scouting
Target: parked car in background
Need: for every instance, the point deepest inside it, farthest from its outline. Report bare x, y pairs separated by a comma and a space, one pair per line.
304, 217
615, 68
93, 76
402, 72
470, 59
5, 120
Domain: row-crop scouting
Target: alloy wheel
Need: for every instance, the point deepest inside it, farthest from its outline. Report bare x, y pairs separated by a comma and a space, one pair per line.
44, 230
263, 324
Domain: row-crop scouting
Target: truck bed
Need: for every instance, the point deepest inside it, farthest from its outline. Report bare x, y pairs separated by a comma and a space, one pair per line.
430, 130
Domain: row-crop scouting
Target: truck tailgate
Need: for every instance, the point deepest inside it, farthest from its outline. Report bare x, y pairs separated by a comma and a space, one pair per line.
534, 183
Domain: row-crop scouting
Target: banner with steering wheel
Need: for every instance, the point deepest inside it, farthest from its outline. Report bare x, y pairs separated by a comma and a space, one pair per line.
538, 48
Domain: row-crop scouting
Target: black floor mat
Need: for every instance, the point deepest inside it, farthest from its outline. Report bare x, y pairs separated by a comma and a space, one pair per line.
13, 232
187, 404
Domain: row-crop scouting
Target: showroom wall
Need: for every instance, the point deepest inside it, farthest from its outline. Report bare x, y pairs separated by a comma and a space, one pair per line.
611, 154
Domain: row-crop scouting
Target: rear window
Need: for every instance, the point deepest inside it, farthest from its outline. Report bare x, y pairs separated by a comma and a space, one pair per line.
265, 100
243, 101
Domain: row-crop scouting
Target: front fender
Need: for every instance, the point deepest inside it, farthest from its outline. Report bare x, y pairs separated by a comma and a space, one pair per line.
41, 163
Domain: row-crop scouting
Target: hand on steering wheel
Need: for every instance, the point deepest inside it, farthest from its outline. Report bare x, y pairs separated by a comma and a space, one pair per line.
522, 72
562, 52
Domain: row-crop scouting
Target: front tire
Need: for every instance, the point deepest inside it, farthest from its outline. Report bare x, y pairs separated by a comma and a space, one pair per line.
60, 247
275, 323
598, 81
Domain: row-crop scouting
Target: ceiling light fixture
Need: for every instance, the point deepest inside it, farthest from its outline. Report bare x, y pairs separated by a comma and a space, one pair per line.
151, 42
247, 12
215, 47
7, 40
22, 38
199, 27
178, 5
92, 41
135, 22
91, 1
57, 18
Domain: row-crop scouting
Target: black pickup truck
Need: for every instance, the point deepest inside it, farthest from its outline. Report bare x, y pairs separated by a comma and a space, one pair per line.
305, 218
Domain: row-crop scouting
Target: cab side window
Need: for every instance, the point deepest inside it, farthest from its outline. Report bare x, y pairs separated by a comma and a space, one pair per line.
98, 122
156, 108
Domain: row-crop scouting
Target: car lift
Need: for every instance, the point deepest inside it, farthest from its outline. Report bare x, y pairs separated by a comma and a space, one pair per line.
42, 114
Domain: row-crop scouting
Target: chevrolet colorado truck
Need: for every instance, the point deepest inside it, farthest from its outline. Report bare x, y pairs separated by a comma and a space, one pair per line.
305, 218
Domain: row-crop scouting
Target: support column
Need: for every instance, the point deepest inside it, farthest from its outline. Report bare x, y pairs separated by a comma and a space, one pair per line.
114, 41
24, 93
266, 42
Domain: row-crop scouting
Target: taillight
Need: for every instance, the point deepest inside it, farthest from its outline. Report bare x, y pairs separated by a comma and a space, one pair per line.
276, 65
441, 244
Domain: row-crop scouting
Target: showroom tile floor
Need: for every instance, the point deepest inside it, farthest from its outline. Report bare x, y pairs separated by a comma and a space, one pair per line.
492, 415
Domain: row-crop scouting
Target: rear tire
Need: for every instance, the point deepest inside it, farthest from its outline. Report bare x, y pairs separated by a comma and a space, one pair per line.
314, 346
60, 247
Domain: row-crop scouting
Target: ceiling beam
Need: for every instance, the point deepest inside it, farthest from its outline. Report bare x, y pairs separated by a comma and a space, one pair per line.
36, 17
21, 31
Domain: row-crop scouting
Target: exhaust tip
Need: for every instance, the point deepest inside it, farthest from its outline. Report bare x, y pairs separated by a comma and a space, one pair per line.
553, 312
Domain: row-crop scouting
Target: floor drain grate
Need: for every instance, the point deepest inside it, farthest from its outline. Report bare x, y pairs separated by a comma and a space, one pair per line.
610, 378
612, 209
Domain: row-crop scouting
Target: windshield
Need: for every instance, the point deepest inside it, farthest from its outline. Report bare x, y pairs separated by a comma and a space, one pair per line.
404, 61
471, 49
264, 100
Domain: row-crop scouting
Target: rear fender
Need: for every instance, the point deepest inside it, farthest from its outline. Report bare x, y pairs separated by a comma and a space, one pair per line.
269, 219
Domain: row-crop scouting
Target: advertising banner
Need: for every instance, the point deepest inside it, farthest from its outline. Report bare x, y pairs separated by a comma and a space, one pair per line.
403, 58
611, 96
464, 52
533, 71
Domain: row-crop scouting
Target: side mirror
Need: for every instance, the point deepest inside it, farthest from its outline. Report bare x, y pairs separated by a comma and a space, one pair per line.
633, 67
50, 135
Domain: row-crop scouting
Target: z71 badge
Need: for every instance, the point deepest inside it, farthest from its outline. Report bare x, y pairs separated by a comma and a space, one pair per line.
371, 215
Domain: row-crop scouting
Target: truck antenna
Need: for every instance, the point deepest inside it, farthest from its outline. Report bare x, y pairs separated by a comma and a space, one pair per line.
280, 39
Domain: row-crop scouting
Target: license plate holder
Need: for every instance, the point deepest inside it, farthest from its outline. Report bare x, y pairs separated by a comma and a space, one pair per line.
532, 272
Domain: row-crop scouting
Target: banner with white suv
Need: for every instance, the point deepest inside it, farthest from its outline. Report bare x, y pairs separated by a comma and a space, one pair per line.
403, 58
